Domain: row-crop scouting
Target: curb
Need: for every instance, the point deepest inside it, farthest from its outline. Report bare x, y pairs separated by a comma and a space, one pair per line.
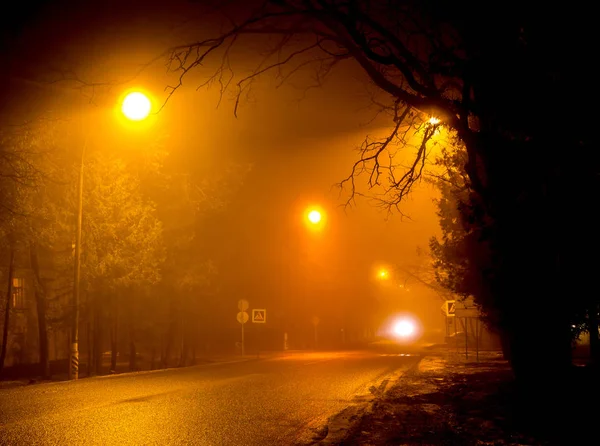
208, 362
14, 384
346, 422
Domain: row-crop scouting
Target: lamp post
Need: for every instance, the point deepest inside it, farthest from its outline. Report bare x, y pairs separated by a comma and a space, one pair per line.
136, 107
316, 220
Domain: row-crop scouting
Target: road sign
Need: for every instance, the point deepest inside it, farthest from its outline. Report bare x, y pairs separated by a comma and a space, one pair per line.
242, 317
449, 308
467, 312
259, 316
467, 308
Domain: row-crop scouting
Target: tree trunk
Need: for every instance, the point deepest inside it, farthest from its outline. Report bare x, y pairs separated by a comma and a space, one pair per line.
194, 345
114, 338
90, 347
161, 350
541, 346
184, 354
98, 336
40, 301
505, 344
11, 270
132, 354
132, 349
184, 343
169, 344
524, 277
170, 334
593, 330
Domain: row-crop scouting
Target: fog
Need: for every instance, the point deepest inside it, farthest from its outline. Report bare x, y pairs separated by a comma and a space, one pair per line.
257, 173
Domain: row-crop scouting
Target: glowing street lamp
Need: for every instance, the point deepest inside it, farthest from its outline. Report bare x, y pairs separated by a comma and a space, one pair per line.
314, 217
136, 107
383, 274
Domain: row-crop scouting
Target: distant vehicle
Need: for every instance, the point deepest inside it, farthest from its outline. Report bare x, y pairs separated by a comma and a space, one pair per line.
402, 333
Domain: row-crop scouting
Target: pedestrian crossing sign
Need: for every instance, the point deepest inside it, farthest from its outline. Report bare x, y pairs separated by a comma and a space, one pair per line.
259, 316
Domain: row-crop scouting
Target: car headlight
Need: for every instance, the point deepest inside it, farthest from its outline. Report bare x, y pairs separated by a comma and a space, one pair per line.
404, 328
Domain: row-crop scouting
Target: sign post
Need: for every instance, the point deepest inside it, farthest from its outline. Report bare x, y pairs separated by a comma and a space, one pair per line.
259, 316
242, 318
466, 339
448, 310
477, 325
467, 310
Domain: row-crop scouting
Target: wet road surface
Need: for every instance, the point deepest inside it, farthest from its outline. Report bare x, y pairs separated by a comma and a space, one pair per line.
276, 401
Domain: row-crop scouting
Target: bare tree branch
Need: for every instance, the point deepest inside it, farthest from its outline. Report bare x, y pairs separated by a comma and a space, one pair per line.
403, 56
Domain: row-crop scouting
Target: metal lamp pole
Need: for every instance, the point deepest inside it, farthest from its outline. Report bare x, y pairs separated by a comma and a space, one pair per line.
136, 106
74, 363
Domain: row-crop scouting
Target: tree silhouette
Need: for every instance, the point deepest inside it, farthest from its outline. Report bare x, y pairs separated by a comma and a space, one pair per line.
500, 79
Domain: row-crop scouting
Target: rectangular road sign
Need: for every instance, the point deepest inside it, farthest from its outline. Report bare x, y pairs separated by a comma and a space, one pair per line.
259, 316
466, 308
467, 312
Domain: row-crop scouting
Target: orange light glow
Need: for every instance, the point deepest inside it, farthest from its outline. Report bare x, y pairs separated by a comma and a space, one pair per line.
434, 121
136, 106
383, 274
314, 217
404, 328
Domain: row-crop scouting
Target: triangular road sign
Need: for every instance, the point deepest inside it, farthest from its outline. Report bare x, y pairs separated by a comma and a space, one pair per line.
259, 316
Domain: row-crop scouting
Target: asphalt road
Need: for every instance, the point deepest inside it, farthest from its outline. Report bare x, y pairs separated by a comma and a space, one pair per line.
275, 401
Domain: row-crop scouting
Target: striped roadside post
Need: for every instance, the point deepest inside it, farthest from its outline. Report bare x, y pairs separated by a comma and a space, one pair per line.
74, 366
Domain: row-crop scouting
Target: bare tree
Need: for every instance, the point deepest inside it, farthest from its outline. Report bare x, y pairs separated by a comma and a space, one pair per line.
423, 273
406, 57
20, 178
484, 76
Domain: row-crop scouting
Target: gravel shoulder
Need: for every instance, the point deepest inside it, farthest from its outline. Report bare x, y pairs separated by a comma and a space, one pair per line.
448, 400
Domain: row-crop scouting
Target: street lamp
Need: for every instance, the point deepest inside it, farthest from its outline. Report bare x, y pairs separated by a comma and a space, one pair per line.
314, 217
383, 274
136, 107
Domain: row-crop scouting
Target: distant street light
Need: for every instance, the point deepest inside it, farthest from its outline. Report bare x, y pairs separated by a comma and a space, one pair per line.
136, 107
383, 274
315, 218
